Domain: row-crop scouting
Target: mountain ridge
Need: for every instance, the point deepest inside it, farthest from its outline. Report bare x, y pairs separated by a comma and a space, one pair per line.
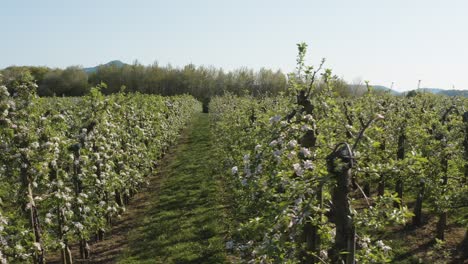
448, 92
116, 63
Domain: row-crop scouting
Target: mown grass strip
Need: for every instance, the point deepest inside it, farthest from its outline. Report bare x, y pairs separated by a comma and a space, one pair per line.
184, 222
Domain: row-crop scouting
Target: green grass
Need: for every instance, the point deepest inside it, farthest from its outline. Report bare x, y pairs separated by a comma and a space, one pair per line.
184, 222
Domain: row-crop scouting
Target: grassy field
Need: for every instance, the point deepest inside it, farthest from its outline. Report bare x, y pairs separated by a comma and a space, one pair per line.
183, 222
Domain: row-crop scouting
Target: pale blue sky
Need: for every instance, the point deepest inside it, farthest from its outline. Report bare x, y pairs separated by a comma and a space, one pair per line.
378, 40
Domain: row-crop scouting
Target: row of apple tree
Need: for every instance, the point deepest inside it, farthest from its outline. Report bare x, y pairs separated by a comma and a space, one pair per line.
316, 178
69, 166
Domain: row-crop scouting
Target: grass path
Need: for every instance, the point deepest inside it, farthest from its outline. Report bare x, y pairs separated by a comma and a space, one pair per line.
182, 219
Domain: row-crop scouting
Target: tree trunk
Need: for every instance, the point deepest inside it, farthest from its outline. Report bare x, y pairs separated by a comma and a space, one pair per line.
65, 252
367, 189
399, 191
442, 223
84, 249
464, 246
309, 239
339, 165
39, 255
118, 198
400, 156
310, 231
100, 235
465, 146
312, 238
417, 218
27, 187
66, 255
381, 187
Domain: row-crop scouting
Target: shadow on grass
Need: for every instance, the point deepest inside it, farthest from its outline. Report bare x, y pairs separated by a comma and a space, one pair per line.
411, 253
184, 223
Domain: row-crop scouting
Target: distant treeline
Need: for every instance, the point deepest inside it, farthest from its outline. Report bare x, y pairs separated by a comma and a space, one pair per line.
201, 82
198, 81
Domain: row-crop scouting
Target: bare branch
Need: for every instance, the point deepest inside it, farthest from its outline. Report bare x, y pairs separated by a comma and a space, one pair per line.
313, 78
361, 121
361, 133
349, 134
447, 112
365, 196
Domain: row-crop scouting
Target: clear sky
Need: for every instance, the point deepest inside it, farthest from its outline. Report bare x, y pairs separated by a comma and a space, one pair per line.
382, 41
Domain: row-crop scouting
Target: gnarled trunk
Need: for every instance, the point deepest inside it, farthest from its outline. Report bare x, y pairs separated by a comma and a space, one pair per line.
417, 218
339, 165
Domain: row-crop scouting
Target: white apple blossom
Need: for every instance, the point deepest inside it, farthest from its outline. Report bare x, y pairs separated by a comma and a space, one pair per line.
37, 246
379, 116
277, 153
380, 243
308, 117
4, 92
386, 249
273, 143
234, 170
306, 128
259, 168
305, 152
292, 143
298, 169
308, 165
79, 226
244, 182
275, 119
3, 260
292, 154
229, 245
19, 248
35, 145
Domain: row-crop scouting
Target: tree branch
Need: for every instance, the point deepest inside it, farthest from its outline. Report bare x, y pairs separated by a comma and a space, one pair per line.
361, 133
365, 196
309, 90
